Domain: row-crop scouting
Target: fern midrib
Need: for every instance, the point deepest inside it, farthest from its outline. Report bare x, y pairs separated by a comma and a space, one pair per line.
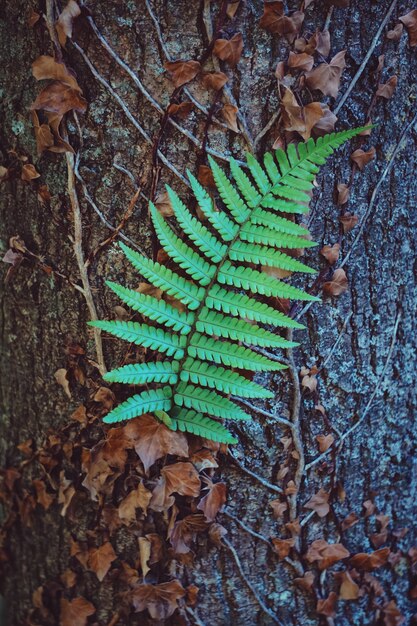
229, 244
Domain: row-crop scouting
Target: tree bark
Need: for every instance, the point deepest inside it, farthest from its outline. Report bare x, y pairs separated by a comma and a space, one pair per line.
362, 341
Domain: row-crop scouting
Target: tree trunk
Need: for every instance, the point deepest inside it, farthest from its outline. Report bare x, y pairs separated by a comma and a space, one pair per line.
361, 342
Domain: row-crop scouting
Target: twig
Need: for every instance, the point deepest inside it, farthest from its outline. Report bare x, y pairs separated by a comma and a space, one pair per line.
79, 255
261, 480
266, 128
50, 23
197, 620
336, 343
377, 187
246, 528
350, 430
247, 582
328, 18
367, 57
271, 416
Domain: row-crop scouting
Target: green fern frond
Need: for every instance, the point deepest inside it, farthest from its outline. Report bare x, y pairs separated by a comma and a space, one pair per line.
204, 342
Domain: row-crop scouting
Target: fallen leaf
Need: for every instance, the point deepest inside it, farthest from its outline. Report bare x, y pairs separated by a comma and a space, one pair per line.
370, 561
216, 532
326, 554
278, 508
306, 582
309, 382
229, 50
46, 68
203, 459
302, 61
326, 76
66, 493
205, 177
395, 33
349, 521
229, 113
348, 221
343, 193
319, 42
152, 440
29, 172
410, 22
184, 532
291, 488
392, 614
331, 253
232, 7
213, 501
138, 498
325, 442
100, 559
274, 20
214, 80
160, 600
378, 539
68, 578
326, 123
369, 507
183, 109
362, 158
182, 71
327, 606
282, 546
65, 21
181, 478
337, 285
59, 98
144, 555
33, 18
43, 498
61, 378
75, 612
319, 503
386, 90
299, 118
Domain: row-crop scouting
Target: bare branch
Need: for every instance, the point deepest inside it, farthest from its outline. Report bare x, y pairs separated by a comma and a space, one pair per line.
261, 480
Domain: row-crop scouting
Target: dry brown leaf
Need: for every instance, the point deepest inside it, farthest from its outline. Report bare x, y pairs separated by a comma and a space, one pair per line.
184, 532
392, 614
43, 134
163, 204
139, 498
327, 606
306, 582
61, 378
378, 539
160, 600
229, 50
29, 172
291, 488
181, 478
325, 442
386, 90
68, 578
331, 253
182, 71
362, 158
349, 521
203, 459
309, 382
229, 113
348, 221
343, 193
46, 68
100, 559
326, 76
319, 503
232, 7
33, 18
369, 507
274, 20
302, 61
153, 440
326, 123
396, 32
319, 42
326, 554
43, 498
144, 555
337, 285
410, 22
349, 590
299, 118
213, 501
75, 612
183, 109
214, 80
370, 561
282, 546
59, 98
278, 508
65, 21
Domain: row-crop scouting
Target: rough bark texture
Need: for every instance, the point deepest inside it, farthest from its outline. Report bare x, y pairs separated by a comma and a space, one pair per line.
42, 315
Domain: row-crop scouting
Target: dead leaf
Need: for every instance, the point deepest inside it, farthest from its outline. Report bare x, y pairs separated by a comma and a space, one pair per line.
320, 43
349, 521
337, 285
370, 561
183, 109
145, 555
65, 21
43, 134
229, 113
291, 488
214, 80
75, 612
282, 546
319, 503
325, 442
386, 90
61, 378
66, 493
274, 20
205, 177
326, 554
184, 531
33, 18
181, 478
100, 559
46, 68
392, 615
152, 440
138, 498
395, 33
213, 501
299, 118
348, 221
349, 590
410, 22
343, 193
43, 498
362, 158
331, 253
229, 50
369, 507
29, 172
326, 76
326, 123
68, 578
378, 539
327, 606
182, 71
309, 382
59, 98
160, 600
203, 459
306, 582
278, 508
302, 61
